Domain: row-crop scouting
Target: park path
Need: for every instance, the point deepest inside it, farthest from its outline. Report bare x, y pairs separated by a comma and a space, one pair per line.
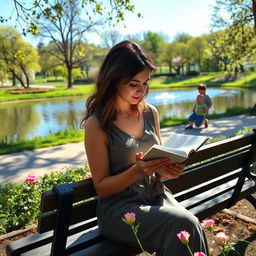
15, 167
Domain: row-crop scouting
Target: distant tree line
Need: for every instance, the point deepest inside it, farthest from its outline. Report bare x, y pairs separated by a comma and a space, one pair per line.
230, 46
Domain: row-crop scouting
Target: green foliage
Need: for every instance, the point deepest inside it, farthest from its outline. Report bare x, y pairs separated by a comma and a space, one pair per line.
19, 57
152, 43
31, 12
245, 130
234, 43
19, 202
59, 138
18, 205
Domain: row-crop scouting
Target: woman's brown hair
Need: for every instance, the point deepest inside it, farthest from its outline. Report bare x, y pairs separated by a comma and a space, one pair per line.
122, 63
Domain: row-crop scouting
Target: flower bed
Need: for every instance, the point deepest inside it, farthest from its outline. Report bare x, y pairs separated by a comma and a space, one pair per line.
19, 202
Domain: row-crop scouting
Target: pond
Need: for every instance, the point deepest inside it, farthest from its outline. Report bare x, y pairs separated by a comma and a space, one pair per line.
39, 118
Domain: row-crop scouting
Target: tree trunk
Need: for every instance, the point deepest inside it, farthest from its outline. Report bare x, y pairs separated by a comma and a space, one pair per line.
242, 68
69, 77
26, 76
87, 73
170, 69
236, 71
20, 80
27, 80
14, 82
188, 67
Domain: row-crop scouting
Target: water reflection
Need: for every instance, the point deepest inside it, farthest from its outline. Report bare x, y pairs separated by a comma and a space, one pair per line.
30, 119
17, 121
39, 118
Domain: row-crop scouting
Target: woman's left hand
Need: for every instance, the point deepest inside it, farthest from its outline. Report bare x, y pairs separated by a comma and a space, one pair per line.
172, 171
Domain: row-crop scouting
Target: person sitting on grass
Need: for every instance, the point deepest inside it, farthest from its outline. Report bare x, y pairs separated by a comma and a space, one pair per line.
199, 113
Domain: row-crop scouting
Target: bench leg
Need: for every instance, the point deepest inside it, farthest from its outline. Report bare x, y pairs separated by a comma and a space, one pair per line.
65, 194
252, 200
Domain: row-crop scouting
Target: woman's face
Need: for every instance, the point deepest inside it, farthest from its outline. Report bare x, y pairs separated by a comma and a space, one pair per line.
133, 91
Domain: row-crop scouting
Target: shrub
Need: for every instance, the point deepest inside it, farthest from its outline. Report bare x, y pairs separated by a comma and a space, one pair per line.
19, 202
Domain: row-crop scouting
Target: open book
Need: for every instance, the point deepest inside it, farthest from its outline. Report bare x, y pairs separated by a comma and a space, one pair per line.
177, 147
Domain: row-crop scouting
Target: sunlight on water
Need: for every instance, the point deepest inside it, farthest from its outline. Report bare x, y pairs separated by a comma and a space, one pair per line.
164, 97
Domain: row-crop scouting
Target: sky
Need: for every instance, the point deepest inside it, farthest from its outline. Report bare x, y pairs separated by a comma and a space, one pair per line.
169, 17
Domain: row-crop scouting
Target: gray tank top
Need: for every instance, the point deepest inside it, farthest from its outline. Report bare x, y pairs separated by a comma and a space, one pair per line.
123, 147
122, 154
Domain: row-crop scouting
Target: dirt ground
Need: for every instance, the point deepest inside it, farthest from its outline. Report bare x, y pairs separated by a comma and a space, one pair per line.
226, 222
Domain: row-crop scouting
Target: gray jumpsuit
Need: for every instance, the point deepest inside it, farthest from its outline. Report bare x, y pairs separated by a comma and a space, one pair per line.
160, 216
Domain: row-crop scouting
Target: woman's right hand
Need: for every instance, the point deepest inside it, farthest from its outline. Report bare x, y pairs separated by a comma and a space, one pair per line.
149, 167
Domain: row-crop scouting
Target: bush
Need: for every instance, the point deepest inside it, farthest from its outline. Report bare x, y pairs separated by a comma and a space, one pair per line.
19, 202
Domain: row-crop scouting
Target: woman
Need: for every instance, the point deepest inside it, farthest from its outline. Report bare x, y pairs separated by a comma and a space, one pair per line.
119, 124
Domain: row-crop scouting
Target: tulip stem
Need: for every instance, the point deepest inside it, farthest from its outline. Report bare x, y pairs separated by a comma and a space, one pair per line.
134, 229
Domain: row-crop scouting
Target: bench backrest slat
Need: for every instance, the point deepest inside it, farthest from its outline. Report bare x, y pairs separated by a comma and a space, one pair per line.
206, 172
221, 147
212, 206
80, 212
83, 189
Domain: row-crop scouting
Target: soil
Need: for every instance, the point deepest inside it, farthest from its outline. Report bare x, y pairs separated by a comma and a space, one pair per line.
235, 227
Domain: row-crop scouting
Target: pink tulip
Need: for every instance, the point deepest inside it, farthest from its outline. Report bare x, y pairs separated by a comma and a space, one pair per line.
88, 175
184, 236
32, 179
199, 254
221, 238
129, 218
208, 224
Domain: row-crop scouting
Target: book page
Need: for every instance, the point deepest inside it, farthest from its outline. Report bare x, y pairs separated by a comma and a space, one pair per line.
184, 142
158, 151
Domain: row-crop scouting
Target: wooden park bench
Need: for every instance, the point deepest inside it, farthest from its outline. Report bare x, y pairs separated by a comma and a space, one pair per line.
216, 177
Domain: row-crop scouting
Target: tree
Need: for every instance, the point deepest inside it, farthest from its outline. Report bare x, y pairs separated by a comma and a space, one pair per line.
211, 59
66, 33
172, 55
59, 20
90, 56
152, 43
198, 47
237, 21
48, 60
28, 13
182, 37
20, 57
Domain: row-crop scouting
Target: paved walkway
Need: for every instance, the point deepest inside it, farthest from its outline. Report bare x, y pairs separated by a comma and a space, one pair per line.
15, 167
